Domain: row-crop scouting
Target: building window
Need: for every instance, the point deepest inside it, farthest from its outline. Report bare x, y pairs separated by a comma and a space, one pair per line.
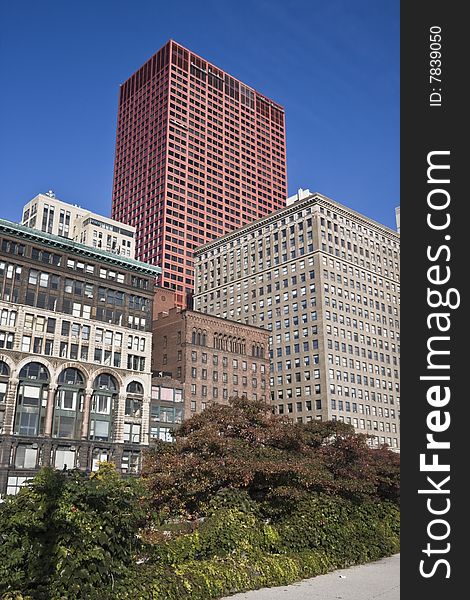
14, 484
68, 410
4, 378
65, 458
132, 432
134, 400
6, 340
99, 455
130, 462
102, 407
31, 399
26, 456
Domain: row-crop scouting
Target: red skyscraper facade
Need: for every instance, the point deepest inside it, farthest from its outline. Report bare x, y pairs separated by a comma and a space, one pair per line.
198, 154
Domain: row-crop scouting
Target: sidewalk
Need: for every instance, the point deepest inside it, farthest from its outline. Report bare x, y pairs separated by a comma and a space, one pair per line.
378, 580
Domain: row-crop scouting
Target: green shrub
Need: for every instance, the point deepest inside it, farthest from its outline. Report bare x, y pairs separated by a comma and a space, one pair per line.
227, 531
352, 532
234, 551
70, 536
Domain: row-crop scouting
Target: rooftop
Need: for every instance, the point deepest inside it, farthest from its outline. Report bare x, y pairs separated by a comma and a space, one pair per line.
69, 245
313, 197
210, 64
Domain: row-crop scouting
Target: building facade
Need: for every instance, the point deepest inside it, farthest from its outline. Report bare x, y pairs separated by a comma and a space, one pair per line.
198, 154
166, 408
324, 280
75, 355
50, 215
213, 358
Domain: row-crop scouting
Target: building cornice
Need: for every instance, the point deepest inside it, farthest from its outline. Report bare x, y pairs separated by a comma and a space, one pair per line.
54, 241
211, 319
314, 198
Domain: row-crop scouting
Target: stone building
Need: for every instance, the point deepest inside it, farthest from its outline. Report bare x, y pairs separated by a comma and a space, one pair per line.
324, 281
214, 358
75, 355
47, 213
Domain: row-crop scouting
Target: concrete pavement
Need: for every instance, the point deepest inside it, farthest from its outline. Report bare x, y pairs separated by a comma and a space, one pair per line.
379, 580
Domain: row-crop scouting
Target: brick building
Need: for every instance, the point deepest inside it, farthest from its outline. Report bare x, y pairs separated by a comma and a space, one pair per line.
213, 358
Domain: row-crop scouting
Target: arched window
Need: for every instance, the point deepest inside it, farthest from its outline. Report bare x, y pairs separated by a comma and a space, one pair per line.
4, 377
134, 400
71, 376
4, 369
103, 403
34, 370
31, 399
68, 409
135, 387
199, 337
105, 382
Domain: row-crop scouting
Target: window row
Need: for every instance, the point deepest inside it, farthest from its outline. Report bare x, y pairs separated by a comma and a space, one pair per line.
363, 409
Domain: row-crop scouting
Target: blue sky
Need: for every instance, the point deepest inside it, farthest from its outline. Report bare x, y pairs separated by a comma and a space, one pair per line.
333, 64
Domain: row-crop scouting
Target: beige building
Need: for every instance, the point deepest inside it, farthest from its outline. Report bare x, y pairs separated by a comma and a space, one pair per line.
75, 356
50, 215
324, 280
213, 358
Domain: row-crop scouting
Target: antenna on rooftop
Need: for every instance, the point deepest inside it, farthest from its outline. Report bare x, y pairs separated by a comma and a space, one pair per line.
51, 194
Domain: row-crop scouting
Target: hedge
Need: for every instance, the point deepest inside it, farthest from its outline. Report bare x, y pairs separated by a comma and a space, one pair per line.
234, 550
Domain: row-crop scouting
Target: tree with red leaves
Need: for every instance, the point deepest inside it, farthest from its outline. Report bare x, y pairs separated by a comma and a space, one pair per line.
244, 446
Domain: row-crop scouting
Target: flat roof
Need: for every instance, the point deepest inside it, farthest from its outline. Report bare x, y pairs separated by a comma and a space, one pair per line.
66, 244
313, 197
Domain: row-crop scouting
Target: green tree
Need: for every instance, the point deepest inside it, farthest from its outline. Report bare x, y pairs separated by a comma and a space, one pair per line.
67, 535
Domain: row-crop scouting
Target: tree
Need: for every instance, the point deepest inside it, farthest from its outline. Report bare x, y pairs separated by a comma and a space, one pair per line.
70, 535
244, 446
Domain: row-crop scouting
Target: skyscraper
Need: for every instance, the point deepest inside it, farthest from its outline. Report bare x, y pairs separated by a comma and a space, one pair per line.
324, 280
198, 154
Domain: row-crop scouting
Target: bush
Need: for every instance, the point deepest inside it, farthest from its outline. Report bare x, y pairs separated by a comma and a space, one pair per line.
69, 535
243, 499
232, 551
352, 532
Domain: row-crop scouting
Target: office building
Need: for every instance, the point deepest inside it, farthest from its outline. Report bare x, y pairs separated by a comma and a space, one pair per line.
198, 154
50, 215
213, 358
324, 280
75, 355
